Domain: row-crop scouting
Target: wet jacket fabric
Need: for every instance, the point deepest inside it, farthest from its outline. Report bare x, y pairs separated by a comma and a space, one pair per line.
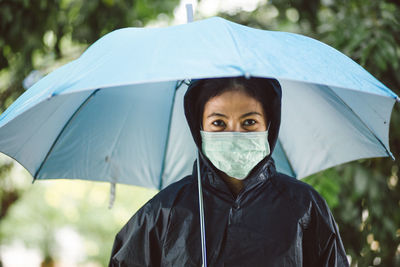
275, 220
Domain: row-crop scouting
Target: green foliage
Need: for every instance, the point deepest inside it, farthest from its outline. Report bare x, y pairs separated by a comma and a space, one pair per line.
81, 206
326, 183
8, 194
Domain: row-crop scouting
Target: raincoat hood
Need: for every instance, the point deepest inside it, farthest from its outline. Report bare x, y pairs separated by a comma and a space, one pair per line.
272, 108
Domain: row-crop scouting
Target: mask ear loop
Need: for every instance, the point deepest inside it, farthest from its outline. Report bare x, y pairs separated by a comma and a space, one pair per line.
201, 211
269, 124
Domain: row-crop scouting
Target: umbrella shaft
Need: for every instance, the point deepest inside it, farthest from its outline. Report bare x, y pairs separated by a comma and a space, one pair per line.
201, 211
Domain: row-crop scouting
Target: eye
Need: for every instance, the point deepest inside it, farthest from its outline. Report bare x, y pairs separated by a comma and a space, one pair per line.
218, 123
249, 122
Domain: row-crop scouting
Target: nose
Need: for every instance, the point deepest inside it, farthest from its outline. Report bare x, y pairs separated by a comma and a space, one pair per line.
234, 127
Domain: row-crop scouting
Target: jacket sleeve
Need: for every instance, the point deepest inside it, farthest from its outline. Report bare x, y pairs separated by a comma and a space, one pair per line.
322, 245
140, 241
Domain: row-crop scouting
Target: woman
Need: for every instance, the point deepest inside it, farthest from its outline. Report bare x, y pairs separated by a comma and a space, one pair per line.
254, 216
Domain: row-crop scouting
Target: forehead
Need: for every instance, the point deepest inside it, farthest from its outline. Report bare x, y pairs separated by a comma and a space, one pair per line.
233, 100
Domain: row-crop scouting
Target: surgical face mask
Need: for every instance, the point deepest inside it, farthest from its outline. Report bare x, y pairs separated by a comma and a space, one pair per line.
235, 153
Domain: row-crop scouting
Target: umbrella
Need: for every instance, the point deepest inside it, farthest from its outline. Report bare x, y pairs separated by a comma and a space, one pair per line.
115, 114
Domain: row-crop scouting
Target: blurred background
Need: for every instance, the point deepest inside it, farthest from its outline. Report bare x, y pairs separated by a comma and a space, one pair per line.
68, 223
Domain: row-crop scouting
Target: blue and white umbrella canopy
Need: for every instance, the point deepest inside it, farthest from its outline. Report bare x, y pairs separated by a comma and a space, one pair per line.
115, 114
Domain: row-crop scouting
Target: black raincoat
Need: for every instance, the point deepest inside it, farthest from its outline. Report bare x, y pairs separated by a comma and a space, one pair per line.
275, 220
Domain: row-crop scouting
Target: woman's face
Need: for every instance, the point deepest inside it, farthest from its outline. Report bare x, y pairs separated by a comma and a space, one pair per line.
234, 111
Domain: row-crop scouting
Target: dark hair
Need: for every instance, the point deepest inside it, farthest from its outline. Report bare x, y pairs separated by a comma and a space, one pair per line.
259, 88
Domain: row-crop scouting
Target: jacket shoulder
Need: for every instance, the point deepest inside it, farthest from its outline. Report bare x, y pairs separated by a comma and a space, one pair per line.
157, 209
321, 238
293, 187
301, 194
147, 228
168, 196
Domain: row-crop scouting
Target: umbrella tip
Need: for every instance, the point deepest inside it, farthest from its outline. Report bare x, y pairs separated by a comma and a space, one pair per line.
398, 99
391, 155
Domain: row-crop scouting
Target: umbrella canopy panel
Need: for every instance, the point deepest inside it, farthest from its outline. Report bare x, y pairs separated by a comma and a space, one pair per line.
117, 134
320, 129
30, 135
181, 150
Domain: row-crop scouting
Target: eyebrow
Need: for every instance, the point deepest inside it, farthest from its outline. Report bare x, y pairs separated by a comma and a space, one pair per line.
217, 114
243, 116
251, 113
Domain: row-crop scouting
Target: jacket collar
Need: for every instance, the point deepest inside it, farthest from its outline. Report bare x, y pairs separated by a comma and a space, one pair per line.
210, 177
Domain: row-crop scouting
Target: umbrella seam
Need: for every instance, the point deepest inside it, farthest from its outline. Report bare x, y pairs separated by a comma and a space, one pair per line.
236, 43
62, 131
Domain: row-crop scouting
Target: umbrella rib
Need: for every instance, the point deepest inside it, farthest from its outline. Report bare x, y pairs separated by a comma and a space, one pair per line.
177, 86
366, 126
61, 132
